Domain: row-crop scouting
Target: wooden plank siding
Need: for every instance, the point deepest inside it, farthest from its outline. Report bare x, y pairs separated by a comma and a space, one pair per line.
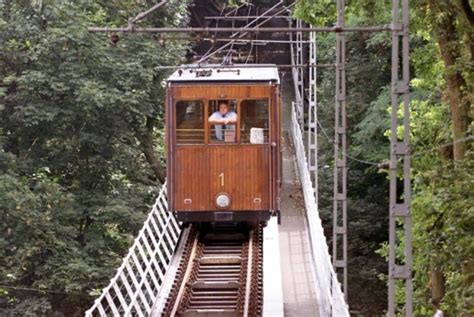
198, 177
220, 91
252, 172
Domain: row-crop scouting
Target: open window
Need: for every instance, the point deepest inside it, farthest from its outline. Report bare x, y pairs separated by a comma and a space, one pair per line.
190, 122
254, 127
223, 120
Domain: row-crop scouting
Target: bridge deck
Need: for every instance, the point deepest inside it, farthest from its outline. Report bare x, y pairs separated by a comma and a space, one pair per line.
296, 264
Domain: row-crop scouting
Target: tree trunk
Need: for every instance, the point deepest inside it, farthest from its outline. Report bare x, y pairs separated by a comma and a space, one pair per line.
450, 27
458, 101
147, 143
437, 286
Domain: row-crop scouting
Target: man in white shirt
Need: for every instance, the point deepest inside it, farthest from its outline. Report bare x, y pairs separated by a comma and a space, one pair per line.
223, 119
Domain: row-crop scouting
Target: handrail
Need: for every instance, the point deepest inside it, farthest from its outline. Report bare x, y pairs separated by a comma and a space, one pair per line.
328, 289
134, 288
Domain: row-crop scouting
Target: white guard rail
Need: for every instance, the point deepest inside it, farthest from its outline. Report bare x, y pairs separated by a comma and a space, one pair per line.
328, 289
133, 289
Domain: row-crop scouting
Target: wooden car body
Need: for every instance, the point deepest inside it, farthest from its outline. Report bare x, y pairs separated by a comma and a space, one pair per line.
237, 177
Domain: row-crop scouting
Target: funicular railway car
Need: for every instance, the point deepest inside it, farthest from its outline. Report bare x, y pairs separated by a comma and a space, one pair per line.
223, 143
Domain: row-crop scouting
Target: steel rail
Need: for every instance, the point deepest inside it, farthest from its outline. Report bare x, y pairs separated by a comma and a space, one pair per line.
189, 270
220, 275
132, 29
248, 284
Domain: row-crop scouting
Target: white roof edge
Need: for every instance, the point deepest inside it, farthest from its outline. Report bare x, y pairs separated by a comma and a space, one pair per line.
216, 72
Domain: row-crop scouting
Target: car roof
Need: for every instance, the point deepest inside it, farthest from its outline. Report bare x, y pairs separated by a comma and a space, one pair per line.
226, 73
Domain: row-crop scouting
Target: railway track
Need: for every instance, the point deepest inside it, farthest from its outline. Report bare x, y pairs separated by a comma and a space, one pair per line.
220, 274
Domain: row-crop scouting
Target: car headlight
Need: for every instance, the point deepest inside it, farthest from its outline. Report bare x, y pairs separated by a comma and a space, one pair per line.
223, 200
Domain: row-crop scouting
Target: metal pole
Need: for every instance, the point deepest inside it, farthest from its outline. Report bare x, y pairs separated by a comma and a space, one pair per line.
297, 59
313, 117
147, 12
132, 29
231, 67
300, 75
340, 154
400, 149
246, 17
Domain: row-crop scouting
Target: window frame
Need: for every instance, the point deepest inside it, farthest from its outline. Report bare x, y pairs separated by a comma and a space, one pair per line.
237, 124
175, 121
269, 110
207, 126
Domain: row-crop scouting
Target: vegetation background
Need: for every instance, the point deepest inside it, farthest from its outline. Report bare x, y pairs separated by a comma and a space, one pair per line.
442, 63
81, 147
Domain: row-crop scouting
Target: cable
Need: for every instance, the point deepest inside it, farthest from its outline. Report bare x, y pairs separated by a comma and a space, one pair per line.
461, 140
413, 154
250, 53
247, 26
38, 290
346, 155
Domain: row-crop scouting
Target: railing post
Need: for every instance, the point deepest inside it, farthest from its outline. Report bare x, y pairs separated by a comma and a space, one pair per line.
400, 202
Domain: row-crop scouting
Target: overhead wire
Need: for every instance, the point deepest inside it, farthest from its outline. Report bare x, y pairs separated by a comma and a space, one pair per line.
39, 290
413, 154
247, 26
325, 134
228, 56
215, 33
250, 53
251, 43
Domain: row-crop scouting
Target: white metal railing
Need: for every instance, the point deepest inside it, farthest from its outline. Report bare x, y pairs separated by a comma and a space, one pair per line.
134, 288
328, 289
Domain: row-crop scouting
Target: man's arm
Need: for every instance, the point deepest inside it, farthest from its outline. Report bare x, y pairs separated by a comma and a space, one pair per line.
232, 119
215, 120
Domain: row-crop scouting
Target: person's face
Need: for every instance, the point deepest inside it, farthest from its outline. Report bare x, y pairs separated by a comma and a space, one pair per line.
223, 108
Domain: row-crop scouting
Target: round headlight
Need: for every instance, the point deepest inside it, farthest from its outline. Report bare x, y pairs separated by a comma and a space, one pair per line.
223, 200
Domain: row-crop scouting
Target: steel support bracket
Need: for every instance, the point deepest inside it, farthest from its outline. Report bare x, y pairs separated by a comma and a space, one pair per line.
396, 27
401, 148
400, 210
340, 97
402, 87
341, 163
400, 271
402, 31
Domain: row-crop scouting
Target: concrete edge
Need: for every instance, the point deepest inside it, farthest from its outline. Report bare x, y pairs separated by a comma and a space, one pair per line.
272, 283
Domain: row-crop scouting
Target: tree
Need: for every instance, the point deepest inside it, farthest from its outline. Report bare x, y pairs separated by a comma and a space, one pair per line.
441, 135
81, 145
453, 28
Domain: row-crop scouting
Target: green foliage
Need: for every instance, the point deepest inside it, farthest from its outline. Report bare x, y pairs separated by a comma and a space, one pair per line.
442, 190
444, 221
75, 186
316, 12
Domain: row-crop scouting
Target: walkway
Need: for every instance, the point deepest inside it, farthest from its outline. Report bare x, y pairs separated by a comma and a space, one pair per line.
296, 264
